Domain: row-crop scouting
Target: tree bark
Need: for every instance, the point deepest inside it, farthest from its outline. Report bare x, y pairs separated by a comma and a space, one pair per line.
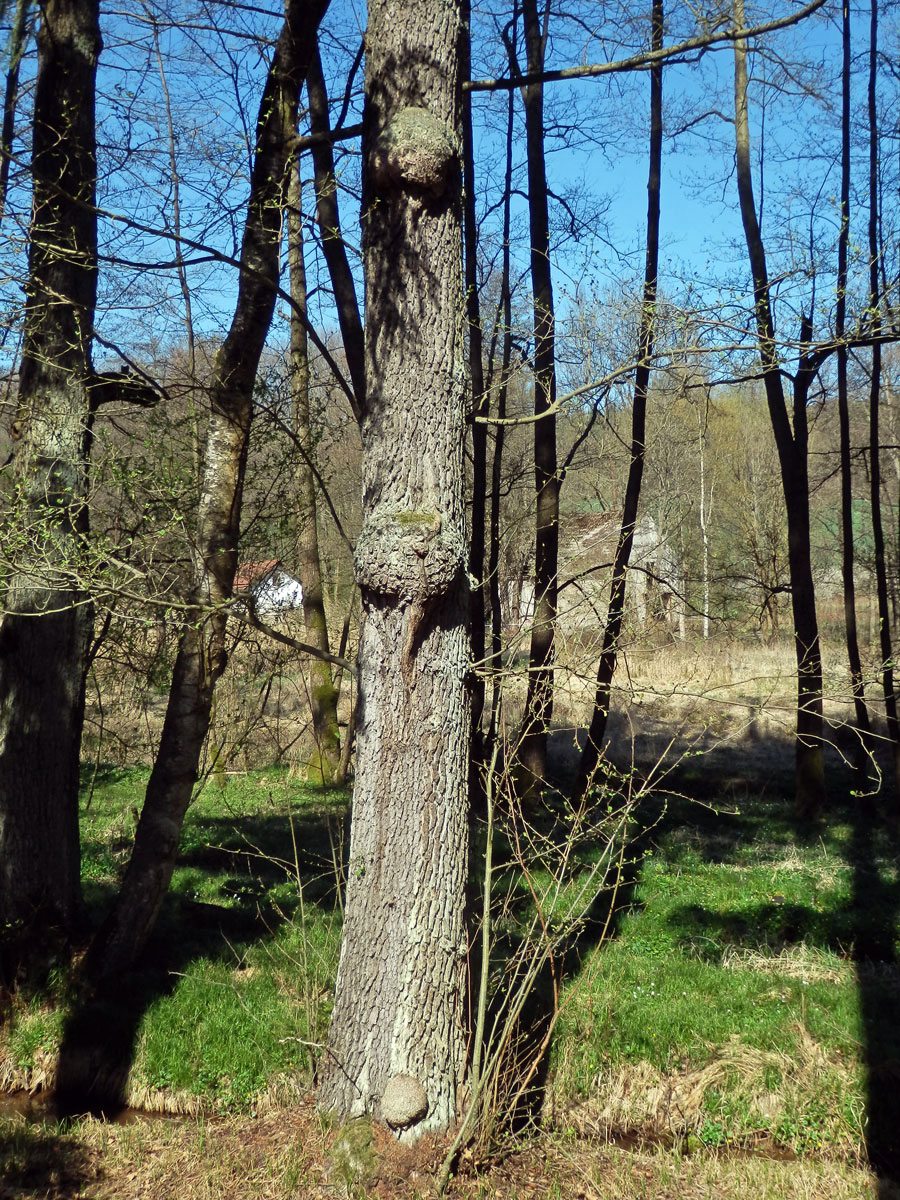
329, 222
397, 1022
539, 701
480, 406
862, 758
881, 573
11, 95
201, 654
615, 613
325, 766
45, 631
495, 662
792, 446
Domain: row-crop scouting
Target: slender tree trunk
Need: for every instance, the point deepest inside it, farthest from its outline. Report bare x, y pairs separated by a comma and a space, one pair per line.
704, 521
881, 574
329, 222
539, 701
615, 613
397, 1024
201, 653
16, 45
325, 765
45, 632
480, 407
863, 729
495, 661
793, 460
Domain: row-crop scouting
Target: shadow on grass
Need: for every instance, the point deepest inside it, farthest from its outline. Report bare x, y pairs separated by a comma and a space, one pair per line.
874, 852
238, 879
864, 928
39, 1162
721, 808
521, 937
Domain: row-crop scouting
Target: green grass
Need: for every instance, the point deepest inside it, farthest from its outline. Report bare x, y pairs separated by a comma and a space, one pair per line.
739, 936
235, 988
744, 953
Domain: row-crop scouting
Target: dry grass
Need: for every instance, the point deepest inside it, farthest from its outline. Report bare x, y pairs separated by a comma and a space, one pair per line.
660, 1174
289, 1155
639, 1100
796, 962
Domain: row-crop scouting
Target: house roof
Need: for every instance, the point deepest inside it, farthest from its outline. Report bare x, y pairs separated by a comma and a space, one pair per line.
588, 540
250, 574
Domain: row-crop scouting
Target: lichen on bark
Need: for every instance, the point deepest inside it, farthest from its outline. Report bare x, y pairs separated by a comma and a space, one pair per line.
415, 148
414, 555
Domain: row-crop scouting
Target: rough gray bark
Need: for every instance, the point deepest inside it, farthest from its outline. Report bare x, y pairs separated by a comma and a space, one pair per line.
793, 455
398, 1003
201, 653
46, 627
325, 766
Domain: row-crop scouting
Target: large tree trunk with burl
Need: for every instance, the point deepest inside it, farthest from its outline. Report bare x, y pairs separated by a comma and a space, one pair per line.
396, 1044
201, 650
47, 621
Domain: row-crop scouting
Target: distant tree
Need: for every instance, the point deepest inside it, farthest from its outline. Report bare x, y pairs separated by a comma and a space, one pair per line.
539, 699
202, 652
792, 440
616, 607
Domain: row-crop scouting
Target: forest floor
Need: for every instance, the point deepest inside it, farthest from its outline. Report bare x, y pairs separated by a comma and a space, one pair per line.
291, 1155
733, 1031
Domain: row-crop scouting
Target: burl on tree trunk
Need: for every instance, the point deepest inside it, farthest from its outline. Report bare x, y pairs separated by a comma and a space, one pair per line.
396, 1045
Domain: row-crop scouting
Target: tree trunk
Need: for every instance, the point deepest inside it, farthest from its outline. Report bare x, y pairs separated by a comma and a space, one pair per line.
480, 407
505, 307
16, 46
397, 1024
793, 460
862, 757
201, 650
325, 765
881, 573
539, 701
329, 222
615, 614
45, 632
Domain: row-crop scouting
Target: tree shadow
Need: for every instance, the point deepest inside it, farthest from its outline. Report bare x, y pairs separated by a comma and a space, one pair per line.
520, 942
719, 808
40, 1162
874, 855
238, 880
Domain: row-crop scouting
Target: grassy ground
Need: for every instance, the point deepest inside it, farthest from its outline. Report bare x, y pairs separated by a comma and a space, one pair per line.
738, 1029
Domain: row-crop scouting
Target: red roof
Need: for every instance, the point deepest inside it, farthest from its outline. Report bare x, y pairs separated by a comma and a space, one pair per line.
249, 574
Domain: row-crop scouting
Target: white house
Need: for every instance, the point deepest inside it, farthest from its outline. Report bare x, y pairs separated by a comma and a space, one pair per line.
271, 586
